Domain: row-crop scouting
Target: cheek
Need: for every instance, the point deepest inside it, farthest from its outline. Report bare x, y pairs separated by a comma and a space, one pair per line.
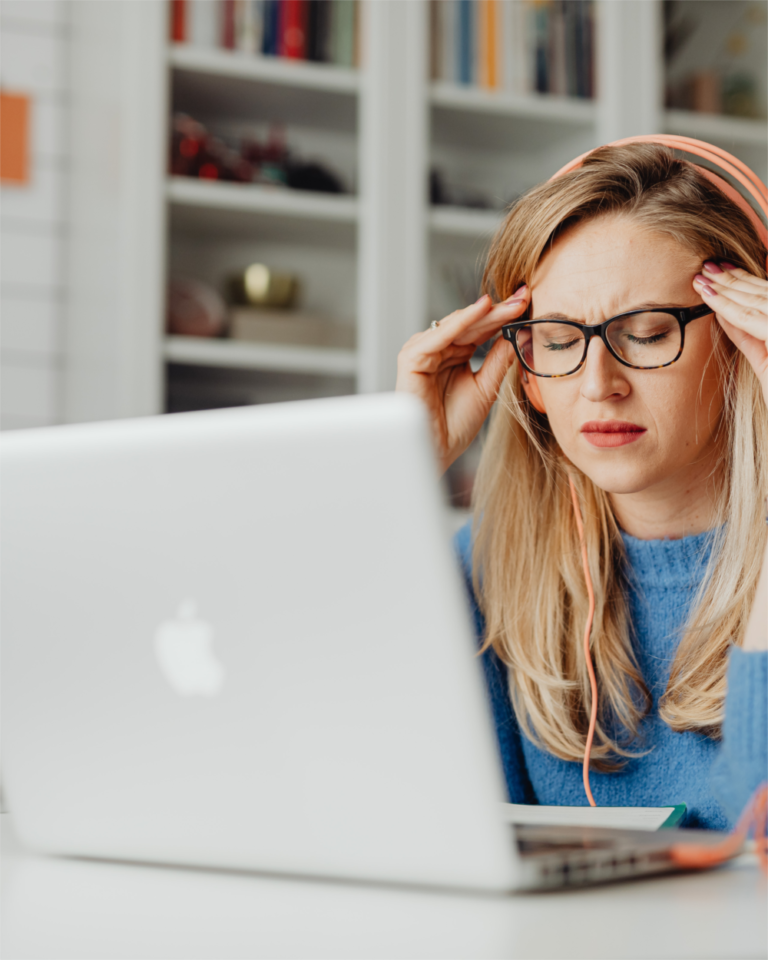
564, 412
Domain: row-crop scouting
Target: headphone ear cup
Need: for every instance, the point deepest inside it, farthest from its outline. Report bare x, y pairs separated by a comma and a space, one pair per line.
531, 387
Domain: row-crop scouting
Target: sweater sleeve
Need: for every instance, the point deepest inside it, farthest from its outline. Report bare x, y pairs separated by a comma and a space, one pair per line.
742, 762
519, 787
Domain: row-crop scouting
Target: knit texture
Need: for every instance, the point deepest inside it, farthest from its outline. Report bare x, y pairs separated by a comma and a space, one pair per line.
714, 778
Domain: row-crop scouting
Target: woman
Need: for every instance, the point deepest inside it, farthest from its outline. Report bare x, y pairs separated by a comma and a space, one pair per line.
669, 454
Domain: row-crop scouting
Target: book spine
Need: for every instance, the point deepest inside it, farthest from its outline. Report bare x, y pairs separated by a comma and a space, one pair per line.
202, 23
570, 14
293, 42
435, 39
313, 13
246, 28
178, 24
589, 48
325, 31
448, 43
521, 52
557, 73
493, 35
465, 41
541, 21
269, 36
228, 24
344, 32
481, 52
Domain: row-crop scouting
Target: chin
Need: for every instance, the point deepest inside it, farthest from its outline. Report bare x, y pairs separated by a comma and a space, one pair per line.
618, 480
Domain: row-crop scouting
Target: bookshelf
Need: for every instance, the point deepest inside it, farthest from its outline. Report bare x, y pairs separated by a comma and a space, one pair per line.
381, 258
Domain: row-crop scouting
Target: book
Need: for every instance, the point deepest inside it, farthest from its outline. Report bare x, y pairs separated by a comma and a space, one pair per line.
293, 29
487, 35
290, 327
178, 21
228, 24
248, 25
318, 21
466, 38
449, 22
270, 18
343, 20
203, 23
620, 818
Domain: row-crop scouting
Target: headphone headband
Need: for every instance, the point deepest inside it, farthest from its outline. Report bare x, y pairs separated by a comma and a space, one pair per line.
718, 157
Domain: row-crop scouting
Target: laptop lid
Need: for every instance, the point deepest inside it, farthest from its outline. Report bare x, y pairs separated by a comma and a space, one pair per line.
239, 639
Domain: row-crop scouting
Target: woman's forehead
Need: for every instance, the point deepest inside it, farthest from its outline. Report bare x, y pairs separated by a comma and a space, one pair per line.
607, 265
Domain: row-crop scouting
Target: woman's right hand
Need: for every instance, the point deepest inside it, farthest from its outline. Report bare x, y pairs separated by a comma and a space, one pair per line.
434, 365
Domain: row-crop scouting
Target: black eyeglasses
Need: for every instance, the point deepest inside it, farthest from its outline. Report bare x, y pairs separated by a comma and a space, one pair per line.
641, 339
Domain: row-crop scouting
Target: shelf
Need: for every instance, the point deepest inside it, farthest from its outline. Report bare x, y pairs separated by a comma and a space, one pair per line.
537, 106
278, 70
464, 222
710, 126
244, 197
200, 351
217, 209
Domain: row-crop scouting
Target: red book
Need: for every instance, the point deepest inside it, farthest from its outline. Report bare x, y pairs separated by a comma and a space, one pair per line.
293, 23
178, 21
228, 24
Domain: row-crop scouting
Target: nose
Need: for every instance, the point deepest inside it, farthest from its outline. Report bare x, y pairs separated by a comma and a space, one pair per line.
602, 374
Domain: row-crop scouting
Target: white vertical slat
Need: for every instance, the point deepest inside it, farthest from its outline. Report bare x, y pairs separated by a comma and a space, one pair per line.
116, 264
392, 256
629, 68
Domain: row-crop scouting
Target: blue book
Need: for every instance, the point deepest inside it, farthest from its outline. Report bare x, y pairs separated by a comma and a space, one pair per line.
466, 40
271, 27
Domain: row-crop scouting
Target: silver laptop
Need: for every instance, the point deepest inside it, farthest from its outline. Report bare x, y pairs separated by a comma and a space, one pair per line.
239, 639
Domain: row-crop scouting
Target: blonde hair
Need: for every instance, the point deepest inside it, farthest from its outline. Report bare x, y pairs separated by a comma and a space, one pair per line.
526, 556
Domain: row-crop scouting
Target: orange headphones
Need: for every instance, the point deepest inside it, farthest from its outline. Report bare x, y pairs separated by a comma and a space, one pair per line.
687, 855
727, 163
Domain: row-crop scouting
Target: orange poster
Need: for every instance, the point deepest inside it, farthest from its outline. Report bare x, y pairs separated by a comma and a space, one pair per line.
14, 138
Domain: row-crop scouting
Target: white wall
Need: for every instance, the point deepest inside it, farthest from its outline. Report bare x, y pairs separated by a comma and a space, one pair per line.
34, 48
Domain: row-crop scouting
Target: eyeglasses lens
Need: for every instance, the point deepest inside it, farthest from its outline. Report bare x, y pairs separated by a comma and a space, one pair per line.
644, 340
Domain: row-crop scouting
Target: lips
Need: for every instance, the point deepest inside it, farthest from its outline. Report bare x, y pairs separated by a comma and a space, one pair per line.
611, 433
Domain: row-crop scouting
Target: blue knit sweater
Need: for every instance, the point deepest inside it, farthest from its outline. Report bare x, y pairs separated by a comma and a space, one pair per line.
715, 778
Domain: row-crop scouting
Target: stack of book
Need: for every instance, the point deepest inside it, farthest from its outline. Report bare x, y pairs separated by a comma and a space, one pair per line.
522, 46
321, 30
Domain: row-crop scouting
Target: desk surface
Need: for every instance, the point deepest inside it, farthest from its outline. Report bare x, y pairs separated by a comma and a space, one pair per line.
80, 909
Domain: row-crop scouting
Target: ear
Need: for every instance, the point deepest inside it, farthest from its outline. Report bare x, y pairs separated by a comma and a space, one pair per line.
531, 387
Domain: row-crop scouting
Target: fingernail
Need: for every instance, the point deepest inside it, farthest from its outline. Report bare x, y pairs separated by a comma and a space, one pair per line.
512, 302
728, 266
516, 293
704, 286
481, 297
711, 267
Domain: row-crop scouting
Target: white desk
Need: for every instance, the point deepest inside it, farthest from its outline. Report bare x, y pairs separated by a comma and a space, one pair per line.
68, 908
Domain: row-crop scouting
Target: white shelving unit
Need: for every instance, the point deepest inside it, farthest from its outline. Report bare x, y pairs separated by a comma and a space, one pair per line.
200, 351
379, 258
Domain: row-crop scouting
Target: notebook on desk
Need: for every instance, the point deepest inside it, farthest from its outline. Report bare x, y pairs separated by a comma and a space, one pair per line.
623, 818
239, 639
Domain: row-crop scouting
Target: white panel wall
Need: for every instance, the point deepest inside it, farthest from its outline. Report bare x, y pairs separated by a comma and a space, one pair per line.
34, 48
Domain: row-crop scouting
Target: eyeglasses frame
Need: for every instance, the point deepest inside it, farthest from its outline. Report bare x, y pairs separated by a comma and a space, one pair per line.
683, 315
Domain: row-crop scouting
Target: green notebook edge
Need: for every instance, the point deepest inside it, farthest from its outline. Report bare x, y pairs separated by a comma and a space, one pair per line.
674, 818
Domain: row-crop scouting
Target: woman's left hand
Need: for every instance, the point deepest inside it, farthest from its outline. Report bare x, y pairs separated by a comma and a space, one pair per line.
740, 302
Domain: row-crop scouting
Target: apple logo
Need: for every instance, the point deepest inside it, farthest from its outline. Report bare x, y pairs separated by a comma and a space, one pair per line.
184, 650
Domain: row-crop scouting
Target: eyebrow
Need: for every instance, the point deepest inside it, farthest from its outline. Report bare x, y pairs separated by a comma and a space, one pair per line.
648, 305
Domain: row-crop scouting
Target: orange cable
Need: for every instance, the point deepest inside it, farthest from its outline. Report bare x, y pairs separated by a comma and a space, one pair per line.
587, 654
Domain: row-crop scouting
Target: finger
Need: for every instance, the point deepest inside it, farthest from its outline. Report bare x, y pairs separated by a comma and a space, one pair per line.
751, 319
456, 323
473, 325
495, 366
734, 279
489, 325
744, 298
753, 349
